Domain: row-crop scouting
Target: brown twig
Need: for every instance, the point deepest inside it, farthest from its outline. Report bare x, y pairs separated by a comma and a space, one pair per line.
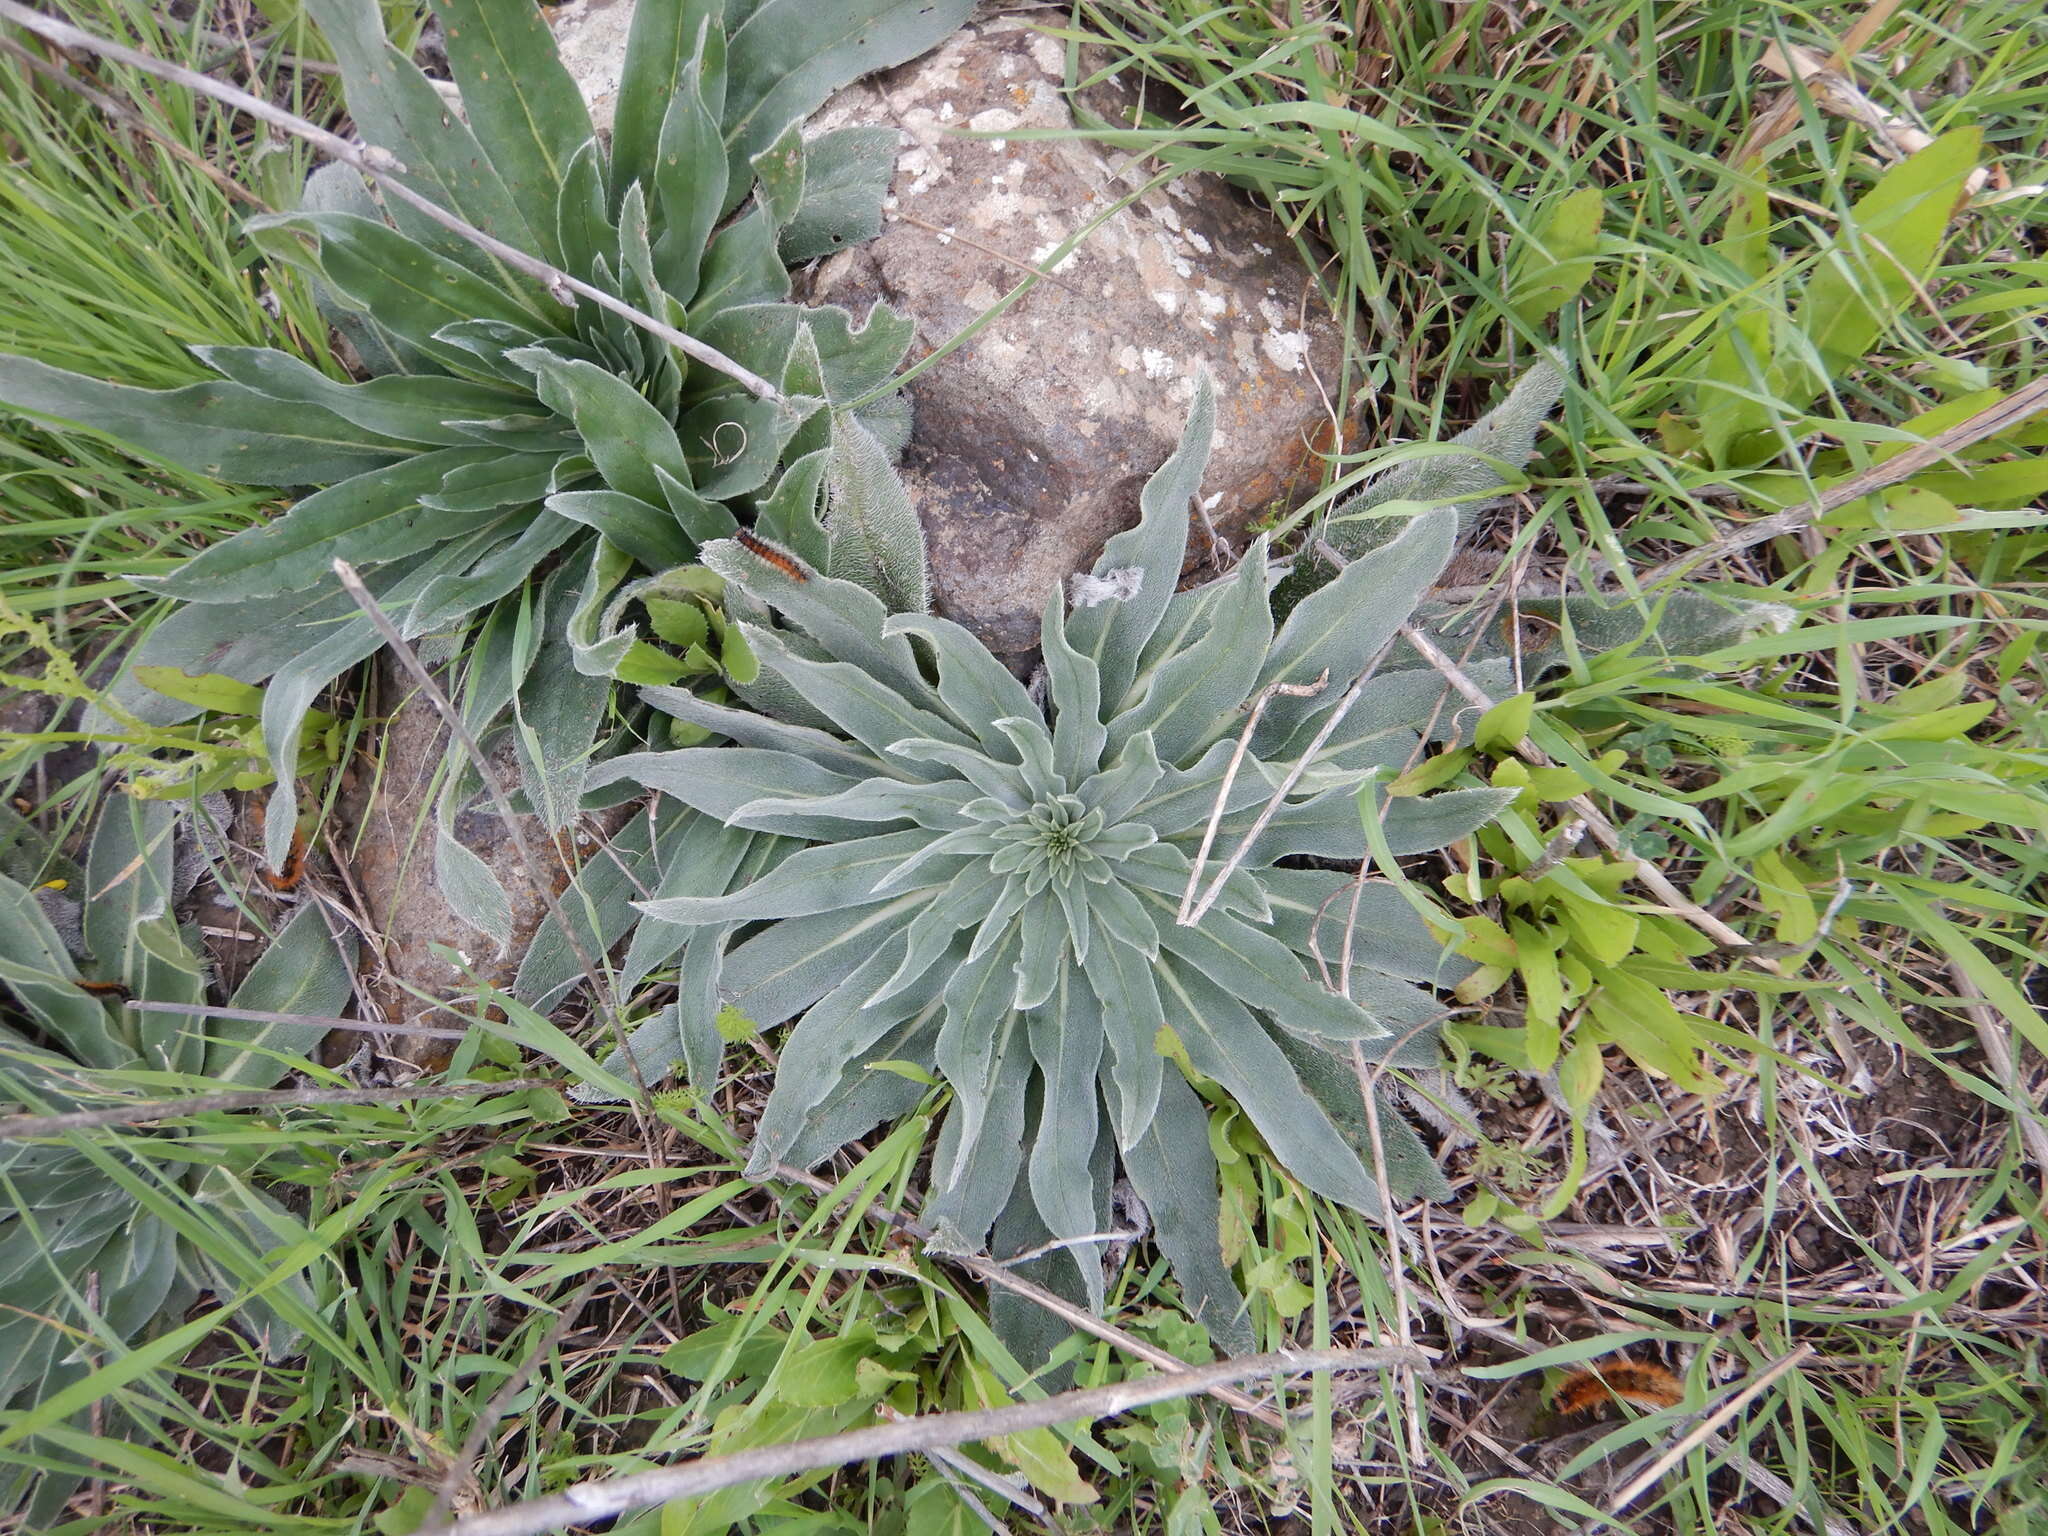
586, 1503
34, 1127
991, 1273
1703, 1433
2000, 416
494, 1410
134, 121
1244, 742
383, 167
1191, 915
1995, 1036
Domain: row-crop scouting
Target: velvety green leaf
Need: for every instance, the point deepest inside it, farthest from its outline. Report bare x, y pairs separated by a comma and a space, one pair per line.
1173, 1169
984, 1057
1258, 969
1122, 978
408, 408
302, 971
221, 429
787, 56
875, 537
472, 892
598, 904
817, 879
516, 93
872, 1095
650, 534
848, 620
624, 435
846, 176
1227, 1044
740, 268
411, 290
396, 107
689, 175
1112, 633
491, 574
731, 443
498, 480
367, 520
1345, 624
872, 713
699, 856
818, 1053
1331, 1077
779, 176
1387, 936
555, 727
1078, 734
38, 971
719, 780
659, 50
1198, 694
1066, 1042
755, 730
974, 687
335, 646
785, 969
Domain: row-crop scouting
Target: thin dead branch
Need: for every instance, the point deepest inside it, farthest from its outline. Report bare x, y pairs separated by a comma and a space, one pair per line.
383, 167
585, 1503
2001, 416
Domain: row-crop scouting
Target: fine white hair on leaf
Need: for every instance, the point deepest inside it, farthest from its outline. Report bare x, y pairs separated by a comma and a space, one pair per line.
1117, 586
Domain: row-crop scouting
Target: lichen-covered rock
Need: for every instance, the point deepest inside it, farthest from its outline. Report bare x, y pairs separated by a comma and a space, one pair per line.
407, 972
1032, 439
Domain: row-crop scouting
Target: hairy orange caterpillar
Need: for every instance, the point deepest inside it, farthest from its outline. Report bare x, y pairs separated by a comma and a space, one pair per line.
780, 558
294, 870
104, 988
1635, 1381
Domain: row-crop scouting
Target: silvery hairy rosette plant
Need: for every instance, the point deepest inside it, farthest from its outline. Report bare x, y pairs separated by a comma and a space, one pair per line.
989, 889
513, 456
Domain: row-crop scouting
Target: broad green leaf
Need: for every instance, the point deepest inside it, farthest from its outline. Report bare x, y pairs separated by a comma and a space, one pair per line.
516, 94
411, 290
1199, 694
1558, 262
302, 971
1226, 1043
625, 436
1111, 634
367, 520
649, 533
872, 530
1066, 1042
689, 174
1888, 246
221, 429
786, 56
663, 43
1173, 1170
396, 108
846, 176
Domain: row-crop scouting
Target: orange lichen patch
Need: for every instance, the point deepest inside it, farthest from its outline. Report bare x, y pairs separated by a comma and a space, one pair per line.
1634, 1381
